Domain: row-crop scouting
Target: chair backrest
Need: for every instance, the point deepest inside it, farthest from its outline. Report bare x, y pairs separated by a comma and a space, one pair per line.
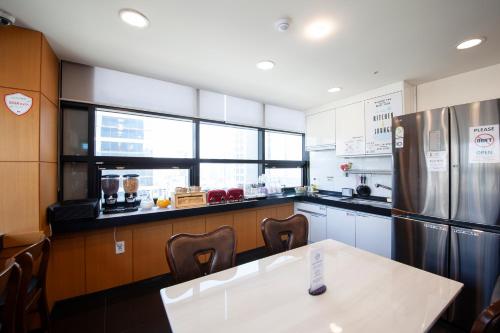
184, 253
34, 261
10, 280
284, 235
488, 320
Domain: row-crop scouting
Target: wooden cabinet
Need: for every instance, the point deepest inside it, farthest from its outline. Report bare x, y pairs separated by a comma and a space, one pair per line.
350, 130
195, 225
48, 191
19, 135
213, 222
245, 227
284, 211
48, 130
149, 242
341, 225
378, 122
66, 271
104, 268
261, 215
374, 234
19, 206
320, 130
20, 58
49, 74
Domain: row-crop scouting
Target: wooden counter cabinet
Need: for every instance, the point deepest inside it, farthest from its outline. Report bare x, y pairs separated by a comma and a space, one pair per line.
87, 262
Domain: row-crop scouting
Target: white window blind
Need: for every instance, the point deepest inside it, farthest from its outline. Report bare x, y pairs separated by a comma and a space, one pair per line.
113, 88
284, 119
244, 112
212, 106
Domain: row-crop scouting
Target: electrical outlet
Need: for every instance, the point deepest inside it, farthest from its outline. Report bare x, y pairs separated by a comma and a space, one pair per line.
120, 247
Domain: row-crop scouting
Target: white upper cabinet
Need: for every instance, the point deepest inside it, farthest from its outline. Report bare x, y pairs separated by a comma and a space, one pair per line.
378, 122
350, 130
320, 130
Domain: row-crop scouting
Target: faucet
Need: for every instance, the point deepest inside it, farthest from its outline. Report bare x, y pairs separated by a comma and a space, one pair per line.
383, 186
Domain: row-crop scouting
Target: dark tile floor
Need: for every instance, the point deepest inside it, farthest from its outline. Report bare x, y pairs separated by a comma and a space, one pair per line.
134, 308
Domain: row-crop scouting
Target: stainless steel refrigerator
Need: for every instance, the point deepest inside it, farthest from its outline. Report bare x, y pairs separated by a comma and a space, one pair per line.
446, 199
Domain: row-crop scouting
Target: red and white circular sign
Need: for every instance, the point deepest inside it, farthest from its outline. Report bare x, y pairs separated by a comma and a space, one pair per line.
18, 103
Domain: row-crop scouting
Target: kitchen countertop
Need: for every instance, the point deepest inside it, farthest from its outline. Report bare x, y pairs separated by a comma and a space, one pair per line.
365, 293
142, 216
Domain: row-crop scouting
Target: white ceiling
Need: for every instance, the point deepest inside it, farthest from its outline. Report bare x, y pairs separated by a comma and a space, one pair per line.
215, 44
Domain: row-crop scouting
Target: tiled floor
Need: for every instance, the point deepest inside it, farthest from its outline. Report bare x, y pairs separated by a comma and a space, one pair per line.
134, 308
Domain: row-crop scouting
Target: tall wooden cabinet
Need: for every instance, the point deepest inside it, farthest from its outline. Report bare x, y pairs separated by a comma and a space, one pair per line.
28, 142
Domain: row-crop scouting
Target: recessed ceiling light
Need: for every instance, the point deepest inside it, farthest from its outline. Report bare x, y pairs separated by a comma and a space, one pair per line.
467, 44
334, 90
265, 65
134, 18
319, 29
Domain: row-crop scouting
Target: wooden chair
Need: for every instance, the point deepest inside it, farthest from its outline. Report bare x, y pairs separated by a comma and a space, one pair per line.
185, 253
488, 320
284, 235
32, 294
10, 279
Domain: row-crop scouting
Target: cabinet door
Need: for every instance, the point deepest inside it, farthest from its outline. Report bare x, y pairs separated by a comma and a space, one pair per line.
341, 225
374, 234
350, 130
378, 122
317, 228
320, 129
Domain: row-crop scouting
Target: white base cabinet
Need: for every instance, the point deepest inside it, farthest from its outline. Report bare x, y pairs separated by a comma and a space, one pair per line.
317, 228
369, 232
374, 234
341, 225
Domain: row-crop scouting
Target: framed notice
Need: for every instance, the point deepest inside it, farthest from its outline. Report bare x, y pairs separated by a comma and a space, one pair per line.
378, 122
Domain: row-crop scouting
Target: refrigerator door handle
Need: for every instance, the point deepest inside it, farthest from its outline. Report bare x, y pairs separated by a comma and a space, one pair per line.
454, 163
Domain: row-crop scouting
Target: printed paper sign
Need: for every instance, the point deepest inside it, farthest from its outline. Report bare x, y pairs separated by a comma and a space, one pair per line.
437, 161
378, 121
483, 144
18, 103
317, 268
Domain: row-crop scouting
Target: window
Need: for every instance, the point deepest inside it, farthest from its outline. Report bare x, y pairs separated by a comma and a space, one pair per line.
283, 146
154, 181
226, 175
228, 142
130, 135
288, 177
168, 152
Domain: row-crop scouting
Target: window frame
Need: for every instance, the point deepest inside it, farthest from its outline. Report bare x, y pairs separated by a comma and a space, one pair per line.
96, 163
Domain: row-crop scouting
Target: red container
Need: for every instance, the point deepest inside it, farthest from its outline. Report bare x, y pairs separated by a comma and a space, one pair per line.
215, 197
235, 195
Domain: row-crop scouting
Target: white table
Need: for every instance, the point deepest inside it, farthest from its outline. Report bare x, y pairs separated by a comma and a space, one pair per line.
366, 293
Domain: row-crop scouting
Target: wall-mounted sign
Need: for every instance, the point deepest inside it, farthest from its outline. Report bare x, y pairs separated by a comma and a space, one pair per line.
483, 144
378, 121
18, 103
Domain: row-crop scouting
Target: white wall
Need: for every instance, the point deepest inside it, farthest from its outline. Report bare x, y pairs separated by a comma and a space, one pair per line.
478, 85
324, 166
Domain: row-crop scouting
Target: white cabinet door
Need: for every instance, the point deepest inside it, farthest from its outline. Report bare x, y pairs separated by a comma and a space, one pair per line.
320, 130
378, 122
317, 228
341, 225
350, 130
374, 234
